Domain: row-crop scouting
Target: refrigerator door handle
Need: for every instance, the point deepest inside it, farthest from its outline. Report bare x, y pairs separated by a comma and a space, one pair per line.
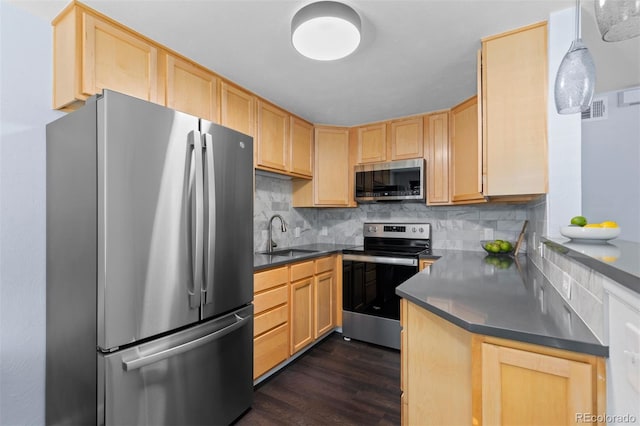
211, 238
197, 207
185, 347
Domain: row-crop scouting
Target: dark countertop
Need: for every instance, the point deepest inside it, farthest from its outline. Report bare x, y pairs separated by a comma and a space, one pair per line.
511, 300
616, 259
266, 261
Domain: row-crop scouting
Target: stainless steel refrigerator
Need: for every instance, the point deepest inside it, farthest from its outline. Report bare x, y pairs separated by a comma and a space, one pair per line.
149, 267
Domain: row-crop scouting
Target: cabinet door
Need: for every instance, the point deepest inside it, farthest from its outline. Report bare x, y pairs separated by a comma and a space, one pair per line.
407, 139
237, 109
115, 59
332, 175
272, 140
301, 147
438, 158
466, 153
556, 389
191, 89
324, 299
372, 143
514, 92
302, 314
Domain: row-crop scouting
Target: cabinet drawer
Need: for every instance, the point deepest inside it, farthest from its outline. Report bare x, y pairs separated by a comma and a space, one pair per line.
270, 298
325, 264
270, 349
267, 279
301, 270
268, 320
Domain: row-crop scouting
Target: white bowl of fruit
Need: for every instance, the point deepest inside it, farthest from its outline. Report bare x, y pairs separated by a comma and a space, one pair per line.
581, 230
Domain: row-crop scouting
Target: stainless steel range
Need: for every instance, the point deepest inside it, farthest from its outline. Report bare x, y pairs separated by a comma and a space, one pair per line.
371, 308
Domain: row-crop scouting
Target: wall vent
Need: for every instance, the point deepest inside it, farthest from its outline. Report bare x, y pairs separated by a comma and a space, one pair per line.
599, 110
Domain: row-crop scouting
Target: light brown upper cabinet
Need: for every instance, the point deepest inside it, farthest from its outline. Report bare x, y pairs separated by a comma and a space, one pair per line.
514, 104
301, 163
437, 146
407, 138
92, 53
466, 153
372, 143
237, 109
191, 89
272, 139
332, 184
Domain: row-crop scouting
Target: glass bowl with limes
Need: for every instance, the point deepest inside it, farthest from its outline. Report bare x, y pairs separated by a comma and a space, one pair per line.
498, 247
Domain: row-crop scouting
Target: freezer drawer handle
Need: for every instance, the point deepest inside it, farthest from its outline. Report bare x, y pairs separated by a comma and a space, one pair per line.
185, 347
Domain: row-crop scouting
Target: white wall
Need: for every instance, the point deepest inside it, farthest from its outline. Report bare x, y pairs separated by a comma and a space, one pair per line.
564, 199
25, 108
611, 168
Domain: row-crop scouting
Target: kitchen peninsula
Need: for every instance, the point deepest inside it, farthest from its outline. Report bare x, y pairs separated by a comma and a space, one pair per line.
493, 339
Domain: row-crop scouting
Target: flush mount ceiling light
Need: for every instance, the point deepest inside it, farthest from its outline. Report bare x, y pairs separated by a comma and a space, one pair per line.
618, 19
326, 30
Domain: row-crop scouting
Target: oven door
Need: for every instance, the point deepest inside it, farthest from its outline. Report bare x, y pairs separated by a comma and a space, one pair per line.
369, 283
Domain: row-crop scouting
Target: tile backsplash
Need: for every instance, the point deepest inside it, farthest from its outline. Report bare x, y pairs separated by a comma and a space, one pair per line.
587, 286
453, 227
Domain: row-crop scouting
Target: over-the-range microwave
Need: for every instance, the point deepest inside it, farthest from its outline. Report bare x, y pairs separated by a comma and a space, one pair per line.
402, 180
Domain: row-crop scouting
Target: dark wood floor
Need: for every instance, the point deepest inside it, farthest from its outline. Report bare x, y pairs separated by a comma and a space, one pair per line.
334, 383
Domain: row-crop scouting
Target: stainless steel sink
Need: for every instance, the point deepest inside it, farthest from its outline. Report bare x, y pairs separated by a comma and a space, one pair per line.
289, 252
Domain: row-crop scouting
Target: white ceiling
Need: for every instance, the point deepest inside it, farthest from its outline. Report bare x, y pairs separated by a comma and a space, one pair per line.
416, 55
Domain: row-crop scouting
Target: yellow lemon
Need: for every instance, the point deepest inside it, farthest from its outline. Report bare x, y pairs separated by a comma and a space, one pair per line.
609, 224
593, 225
609, 258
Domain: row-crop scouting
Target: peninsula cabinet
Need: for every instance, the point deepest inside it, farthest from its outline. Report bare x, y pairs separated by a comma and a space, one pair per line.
514, 112
437, 147
332, 183
466, 153
191, 89
488, 380
237, 109
92, 52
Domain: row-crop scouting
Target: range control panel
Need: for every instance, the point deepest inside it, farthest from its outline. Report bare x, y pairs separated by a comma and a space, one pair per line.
398, 230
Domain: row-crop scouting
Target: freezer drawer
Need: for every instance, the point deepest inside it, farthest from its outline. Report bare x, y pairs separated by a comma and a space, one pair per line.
199, 376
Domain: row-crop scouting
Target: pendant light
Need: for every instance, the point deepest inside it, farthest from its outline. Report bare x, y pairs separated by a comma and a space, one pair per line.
618, 19
576, 78
325, 30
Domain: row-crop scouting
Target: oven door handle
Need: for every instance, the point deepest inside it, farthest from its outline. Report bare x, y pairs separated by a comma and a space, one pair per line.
403, 261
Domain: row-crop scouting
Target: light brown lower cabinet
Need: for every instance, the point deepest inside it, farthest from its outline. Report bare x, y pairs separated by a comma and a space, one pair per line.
302, 313
294, 306
324, 296
271, 319
451, 376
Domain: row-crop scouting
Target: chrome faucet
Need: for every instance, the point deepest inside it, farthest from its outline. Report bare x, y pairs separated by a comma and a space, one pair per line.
283, 228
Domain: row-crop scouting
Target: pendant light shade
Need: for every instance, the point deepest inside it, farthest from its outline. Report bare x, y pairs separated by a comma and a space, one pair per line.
618, 19
576, 78
325, 30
